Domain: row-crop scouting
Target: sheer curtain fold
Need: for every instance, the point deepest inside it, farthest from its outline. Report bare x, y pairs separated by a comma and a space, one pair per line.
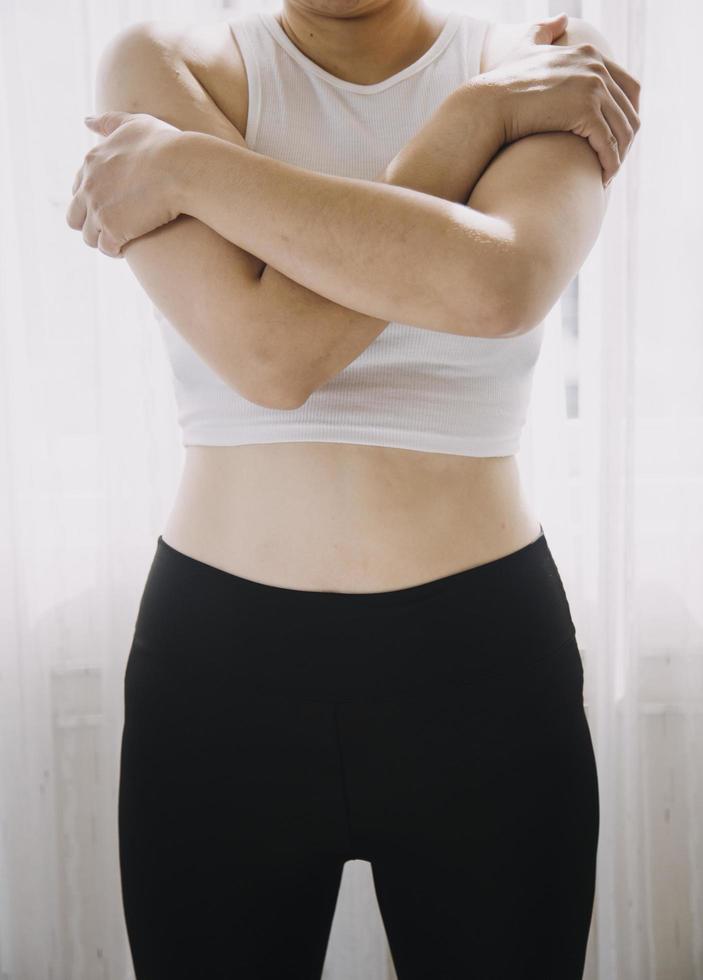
612, 458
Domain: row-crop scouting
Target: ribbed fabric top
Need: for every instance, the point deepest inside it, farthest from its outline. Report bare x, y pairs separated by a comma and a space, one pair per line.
411, 388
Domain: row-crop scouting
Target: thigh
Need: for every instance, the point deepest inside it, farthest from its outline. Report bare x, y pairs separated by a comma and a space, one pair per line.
484, 859
231, 822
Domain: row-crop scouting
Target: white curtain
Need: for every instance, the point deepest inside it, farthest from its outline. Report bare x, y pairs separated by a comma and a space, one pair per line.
612, 458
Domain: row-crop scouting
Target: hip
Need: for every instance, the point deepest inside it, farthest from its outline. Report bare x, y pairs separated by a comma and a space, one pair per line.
503, 625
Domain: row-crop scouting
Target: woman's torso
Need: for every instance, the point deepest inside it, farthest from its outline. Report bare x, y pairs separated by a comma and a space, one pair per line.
335, 516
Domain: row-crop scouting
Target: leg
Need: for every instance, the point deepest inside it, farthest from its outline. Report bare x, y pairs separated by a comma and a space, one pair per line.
230, 821
484, 856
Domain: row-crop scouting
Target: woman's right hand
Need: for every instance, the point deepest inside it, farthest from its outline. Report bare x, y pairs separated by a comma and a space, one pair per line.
542, 87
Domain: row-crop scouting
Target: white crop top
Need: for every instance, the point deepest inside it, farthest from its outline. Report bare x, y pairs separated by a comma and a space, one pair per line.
410, 388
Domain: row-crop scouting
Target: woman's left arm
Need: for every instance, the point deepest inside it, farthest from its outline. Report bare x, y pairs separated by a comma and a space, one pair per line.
386, 251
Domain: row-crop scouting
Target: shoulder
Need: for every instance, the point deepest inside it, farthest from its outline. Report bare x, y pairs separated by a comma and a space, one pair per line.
150, 62
501, 37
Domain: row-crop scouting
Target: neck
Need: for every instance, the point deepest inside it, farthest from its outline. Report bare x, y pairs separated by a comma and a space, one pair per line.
366, 45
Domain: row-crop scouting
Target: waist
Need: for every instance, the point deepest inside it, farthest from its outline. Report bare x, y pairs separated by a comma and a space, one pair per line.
499, 627
346, 517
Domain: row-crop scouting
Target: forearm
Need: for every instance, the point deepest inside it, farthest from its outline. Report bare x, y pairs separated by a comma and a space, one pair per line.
447, 157
420, 257
317, 338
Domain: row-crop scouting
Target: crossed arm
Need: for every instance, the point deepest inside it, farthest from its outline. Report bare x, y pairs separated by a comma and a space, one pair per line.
535, 209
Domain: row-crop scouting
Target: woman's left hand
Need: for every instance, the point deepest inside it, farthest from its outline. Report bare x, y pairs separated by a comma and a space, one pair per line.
127, 185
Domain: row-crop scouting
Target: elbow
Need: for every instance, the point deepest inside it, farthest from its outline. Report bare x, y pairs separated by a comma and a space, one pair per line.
501, 314
281, 394
507, 319
521, 299
520, 317
255, 374
283, 400
289, 401
269, 392
501, 303
280, 404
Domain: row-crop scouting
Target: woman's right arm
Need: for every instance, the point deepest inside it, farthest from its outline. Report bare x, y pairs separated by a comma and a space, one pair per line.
269, 337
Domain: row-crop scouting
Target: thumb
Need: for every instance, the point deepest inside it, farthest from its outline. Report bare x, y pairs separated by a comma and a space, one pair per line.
106, 122
548, 30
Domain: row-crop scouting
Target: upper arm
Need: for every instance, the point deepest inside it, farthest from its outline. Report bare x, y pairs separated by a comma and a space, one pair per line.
202, 283
548, 188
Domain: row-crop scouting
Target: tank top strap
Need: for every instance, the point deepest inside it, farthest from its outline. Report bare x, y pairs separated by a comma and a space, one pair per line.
471, 36
258, 54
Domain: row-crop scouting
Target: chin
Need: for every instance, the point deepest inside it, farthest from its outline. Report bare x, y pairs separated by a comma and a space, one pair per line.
339, 8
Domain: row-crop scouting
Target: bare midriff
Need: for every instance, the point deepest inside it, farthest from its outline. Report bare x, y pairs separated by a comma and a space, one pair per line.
344, 517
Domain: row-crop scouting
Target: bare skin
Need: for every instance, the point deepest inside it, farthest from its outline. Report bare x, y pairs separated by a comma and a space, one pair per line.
332, 516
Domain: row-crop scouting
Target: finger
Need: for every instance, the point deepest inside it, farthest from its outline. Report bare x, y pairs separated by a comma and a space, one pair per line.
107, 122
627, 82
91, 231
624, 103
619, 125
558, 24
77, 181
605, 143
108, 245
548, 30
76, 212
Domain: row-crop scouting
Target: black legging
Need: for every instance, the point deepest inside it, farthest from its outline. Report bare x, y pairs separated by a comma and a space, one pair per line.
436, 731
